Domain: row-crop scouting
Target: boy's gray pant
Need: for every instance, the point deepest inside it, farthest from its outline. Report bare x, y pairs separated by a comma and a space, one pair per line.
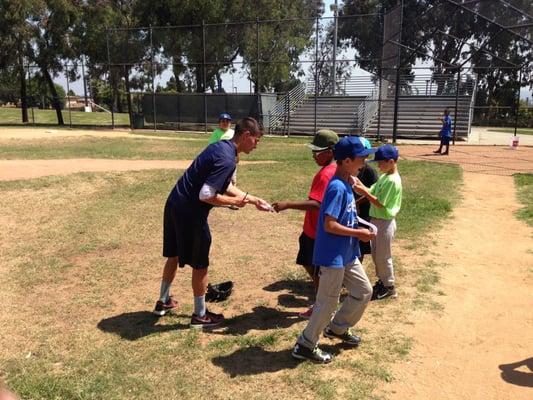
381, 247
354, 278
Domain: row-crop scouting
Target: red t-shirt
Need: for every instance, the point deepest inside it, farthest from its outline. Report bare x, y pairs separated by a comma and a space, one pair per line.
318, 187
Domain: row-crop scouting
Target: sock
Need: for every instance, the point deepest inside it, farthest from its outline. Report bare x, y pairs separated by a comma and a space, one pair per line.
199, 306
165, 291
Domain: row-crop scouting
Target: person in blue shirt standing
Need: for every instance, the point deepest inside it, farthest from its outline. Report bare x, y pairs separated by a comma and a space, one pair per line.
336, 251
186, 236
445, 133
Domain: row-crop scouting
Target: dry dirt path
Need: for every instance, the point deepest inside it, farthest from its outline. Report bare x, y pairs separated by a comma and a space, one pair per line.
29, 169
487, 319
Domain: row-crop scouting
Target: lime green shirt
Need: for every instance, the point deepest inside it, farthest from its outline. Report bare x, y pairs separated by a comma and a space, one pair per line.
388, 190
219, 134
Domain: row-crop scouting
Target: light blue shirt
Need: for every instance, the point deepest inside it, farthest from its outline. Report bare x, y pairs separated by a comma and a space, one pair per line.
336, 251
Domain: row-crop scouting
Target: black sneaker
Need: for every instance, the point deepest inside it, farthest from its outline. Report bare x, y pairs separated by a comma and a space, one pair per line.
383, 292
346, 337
305, 353
161, 308
209, 320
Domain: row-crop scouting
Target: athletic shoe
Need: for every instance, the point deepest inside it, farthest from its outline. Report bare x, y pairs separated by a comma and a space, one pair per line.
382, 292
307, 313
305, 353
162, 308
209, 320
346, 337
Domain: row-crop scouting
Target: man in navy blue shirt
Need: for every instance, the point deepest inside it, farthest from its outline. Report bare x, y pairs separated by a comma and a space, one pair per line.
186, 236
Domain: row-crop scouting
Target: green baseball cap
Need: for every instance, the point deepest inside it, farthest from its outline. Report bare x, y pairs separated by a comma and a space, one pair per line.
323, 140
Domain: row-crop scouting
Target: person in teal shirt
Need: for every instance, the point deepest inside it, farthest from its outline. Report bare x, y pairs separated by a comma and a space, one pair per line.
224, 131
385, 197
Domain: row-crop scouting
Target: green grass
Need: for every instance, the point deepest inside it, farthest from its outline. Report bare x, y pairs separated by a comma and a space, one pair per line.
89, 251
519, 131
524, 184
13, 116
430, 191
183, 148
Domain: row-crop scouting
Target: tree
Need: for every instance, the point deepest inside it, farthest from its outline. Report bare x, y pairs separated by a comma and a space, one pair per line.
16, 34
53, 41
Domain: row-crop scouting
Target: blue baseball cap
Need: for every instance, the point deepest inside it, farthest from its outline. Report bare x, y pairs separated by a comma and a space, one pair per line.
386, 152
350, 147
224, 116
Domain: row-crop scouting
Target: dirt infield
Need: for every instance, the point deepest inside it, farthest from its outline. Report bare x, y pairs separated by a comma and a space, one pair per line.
28, 169
479, 347
492, 160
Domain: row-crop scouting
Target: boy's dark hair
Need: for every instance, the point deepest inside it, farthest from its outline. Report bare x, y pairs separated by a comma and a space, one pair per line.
247, 124
446, 111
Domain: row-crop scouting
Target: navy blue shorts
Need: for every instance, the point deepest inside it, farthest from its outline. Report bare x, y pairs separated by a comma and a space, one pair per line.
305, 253
445, 140
186, 237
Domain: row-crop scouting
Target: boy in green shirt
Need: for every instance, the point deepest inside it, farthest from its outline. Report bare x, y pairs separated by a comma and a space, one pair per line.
224, 131
385, 197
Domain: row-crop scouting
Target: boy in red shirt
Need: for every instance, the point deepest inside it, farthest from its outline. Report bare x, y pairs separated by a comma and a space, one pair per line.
322, 147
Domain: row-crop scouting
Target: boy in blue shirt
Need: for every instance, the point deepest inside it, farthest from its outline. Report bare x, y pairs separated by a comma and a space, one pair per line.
445, 133
336, 251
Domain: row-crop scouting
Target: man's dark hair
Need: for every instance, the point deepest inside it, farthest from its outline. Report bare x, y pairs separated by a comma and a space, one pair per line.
247, 124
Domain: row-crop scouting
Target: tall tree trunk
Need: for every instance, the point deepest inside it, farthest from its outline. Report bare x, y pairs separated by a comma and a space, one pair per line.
128, 94
55, 98
23, 91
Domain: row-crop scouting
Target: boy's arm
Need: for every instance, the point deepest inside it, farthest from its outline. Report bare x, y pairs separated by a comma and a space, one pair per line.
331, 225
296, 205
362, 190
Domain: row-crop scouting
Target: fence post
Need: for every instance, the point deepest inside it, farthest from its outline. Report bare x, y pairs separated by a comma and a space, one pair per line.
517, 108
289, 113
458, 81
68, 96
316, 69
153, 76
204, 76
378, 134
396, 104
257, 81
111, 81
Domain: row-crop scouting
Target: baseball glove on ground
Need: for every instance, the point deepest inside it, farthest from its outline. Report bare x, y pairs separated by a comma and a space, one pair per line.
219, 291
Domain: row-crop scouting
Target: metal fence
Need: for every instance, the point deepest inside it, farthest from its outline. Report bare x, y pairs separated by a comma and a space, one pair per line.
288, 73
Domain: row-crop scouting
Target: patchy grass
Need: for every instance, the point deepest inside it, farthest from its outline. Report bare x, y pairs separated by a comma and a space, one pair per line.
524, 184
185, 147
13, 116
430, 191
87, 247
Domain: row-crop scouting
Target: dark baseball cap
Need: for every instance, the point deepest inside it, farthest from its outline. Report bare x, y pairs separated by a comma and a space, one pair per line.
386, 152
323, 140
224, 116
350, 147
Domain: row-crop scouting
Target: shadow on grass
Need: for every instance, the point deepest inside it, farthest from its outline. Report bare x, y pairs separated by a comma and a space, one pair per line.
136, 325
261, 318
293, 286
256, 360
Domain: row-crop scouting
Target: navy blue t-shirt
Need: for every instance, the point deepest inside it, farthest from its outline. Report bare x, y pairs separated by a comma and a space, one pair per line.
336, 251
213, 166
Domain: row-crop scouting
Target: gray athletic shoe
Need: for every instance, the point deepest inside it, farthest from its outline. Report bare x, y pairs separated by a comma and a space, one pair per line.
305, 353
346, 337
